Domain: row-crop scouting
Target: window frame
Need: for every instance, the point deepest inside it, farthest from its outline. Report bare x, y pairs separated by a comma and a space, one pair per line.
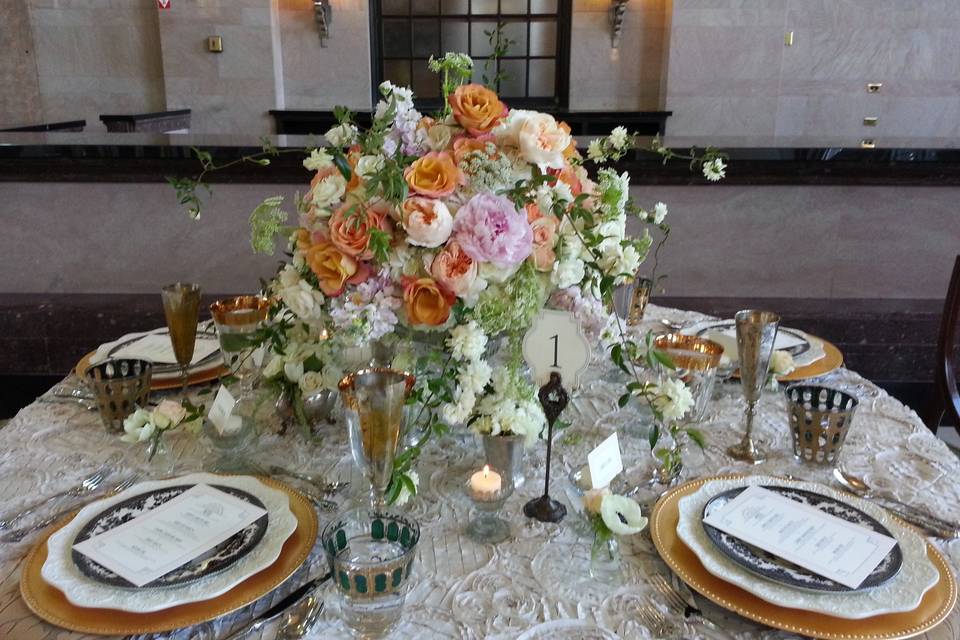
558, 102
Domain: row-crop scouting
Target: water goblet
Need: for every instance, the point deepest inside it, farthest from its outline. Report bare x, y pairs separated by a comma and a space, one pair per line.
181, 306
237, 321
371, 554
695, 360
756, 336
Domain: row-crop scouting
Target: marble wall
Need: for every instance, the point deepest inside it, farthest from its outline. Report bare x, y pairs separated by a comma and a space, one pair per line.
727, 241
731, 73
18, 66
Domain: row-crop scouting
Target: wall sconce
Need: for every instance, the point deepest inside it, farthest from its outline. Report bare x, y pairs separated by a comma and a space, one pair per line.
617, 9
322, 15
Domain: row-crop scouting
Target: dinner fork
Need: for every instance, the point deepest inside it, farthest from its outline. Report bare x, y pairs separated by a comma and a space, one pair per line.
680, 604
87, 485
654, 620
19, 534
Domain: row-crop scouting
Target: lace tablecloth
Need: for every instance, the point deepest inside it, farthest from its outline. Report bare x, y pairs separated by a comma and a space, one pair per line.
535, 585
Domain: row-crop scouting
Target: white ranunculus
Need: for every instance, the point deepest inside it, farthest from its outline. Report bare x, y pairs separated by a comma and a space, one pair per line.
618, 138
341, 135
659, 212
715, 170
318, 159
672, 399
328, 191
293, 370
467, 341
781, 363
622, 515
369, 165
310, 382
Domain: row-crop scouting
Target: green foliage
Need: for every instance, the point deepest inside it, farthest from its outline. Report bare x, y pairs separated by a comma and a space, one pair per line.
511, 305
266, 222
455, 69
500, 46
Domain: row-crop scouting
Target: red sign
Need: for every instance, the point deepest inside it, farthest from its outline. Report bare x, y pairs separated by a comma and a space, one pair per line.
163, 4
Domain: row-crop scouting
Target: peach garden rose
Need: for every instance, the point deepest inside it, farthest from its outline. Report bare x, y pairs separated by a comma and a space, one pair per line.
428, 222
434, 175
426, 302
476, 108
351, 223
454, 269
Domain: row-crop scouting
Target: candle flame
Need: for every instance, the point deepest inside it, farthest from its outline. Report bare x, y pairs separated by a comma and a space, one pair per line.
486, 470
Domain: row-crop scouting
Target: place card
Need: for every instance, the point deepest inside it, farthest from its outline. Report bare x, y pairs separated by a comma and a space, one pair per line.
604, 462
221, 412
822, 543
156, 347
162, 539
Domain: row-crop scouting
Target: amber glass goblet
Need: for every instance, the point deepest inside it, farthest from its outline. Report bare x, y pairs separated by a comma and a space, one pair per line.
181, 306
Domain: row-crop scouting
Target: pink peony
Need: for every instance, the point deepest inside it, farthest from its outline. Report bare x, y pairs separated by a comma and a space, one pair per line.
490, 229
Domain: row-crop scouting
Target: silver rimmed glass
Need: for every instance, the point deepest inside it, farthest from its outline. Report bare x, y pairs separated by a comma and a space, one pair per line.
756, 336
371, 554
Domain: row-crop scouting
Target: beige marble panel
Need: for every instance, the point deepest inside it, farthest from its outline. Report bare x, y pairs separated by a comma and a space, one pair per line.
18, 68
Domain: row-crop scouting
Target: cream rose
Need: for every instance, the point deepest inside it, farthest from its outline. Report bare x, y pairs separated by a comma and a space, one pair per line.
540, 138
428, 222
369, 165
328, 191
169, 414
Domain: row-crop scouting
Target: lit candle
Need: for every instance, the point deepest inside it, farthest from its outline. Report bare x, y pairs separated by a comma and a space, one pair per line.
485, 483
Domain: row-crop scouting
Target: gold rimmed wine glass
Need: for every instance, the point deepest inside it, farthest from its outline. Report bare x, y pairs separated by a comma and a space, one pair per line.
181, 306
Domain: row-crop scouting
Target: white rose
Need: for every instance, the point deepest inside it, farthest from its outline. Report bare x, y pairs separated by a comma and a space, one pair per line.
328, 190
310, 382
369, 165
299, 299
318, 159
172, 411
428, 228
293, 370
659, 212
274, 367
567, 273
341, 135
538, 136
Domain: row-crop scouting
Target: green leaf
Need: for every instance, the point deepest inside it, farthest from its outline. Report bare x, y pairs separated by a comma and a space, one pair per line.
624, 400
663, 358
654, 435
697, 436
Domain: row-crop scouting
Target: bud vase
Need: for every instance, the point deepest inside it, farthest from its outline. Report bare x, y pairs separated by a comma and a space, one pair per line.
505, 452
667, 460
605, 559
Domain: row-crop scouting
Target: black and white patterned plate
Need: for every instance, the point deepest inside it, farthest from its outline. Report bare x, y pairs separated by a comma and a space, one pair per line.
164, 368
217, 559
795, 350
771, 567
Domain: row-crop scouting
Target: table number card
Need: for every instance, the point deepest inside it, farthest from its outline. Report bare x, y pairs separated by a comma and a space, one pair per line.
555, 342
827, 545
162, 539
604, 462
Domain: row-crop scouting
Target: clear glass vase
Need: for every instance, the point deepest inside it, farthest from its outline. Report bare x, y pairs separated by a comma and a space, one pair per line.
160, 460
605, 559
667, 459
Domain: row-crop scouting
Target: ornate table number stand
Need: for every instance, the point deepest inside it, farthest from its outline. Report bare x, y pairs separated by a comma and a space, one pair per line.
554, 399
556, 351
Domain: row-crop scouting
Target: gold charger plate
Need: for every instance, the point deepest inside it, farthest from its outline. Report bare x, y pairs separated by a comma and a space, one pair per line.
935, 606
50, 604
198, 377
832, 360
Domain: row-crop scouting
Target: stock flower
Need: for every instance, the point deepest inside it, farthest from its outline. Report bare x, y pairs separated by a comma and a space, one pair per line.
476, 108
428, 222
490, 229
318, 159
467, 341
426, 302
622, 515
672, 399
351, 226
332, 267
539, 137
659, 212
544, 239
454, 269
715, 170
434, 175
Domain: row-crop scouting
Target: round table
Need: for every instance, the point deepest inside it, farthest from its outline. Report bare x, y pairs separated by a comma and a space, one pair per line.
536, 584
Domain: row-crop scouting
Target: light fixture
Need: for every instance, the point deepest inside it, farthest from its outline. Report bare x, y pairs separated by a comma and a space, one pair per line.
617, 9
323, 15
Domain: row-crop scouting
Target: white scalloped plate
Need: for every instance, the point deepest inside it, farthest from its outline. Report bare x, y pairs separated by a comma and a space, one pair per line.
902, 593
60, 571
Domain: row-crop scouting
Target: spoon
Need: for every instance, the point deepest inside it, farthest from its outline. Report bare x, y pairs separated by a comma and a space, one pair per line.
301, 618
932, 524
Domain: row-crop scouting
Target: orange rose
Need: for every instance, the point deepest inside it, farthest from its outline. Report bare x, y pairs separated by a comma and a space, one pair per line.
463, 146
533, 212
569, 176
351, 223
332, 268
454, 269
476, 108
544, 239
434, 175
353, 156
426, 302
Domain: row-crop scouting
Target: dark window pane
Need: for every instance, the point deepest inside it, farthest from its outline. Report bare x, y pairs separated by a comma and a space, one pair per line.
396, 38
543, 38
543, 77
513, 6
514, 81
426, 84
454, 35
480, 41
453, 7
397, 72
395, 7
483, 7
426, 38
515, 33
543, 6
425, 7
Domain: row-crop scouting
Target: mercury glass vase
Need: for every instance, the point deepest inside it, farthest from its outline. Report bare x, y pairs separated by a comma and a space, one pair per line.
505, 452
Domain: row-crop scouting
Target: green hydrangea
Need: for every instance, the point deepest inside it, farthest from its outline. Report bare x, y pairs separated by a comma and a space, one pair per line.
511, 305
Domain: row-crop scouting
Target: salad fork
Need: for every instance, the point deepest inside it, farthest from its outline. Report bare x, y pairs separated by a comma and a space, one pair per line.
654, 620
87, 485
681, 605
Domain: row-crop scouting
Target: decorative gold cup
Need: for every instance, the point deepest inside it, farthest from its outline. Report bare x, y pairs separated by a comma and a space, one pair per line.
373, 401
119, 386
181, 306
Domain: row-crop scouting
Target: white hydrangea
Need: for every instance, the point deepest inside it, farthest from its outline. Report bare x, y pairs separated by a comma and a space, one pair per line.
474, 377
568, 272
672, 399
715, 170
341, 135
467, 341
659, 212
317, 160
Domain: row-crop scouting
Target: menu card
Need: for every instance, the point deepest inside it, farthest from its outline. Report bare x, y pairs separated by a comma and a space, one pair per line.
819, 542
158, 541
156, 347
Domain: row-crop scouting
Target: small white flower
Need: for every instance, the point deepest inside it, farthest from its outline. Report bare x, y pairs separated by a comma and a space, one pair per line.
341, 135
404, 496
567, 273
629, 261
672, 399
595, 151
714, 170
467, 341
328, 190
618, 138
310, 382
562, 192
781, 363
369, 165
474, 377
622, 515
318, 159
293, 370
659, 212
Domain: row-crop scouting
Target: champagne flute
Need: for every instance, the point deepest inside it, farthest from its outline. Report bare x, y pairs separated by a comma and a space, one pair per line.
181, 306
756, 337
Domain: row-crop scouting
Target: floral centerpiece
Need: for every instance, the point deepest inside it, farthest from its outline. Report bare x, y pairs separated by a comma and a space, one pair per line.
450, 232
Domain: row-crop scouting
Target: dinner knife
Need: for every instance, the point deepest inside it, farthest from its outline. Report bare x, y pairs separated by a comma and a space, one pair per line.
281, 607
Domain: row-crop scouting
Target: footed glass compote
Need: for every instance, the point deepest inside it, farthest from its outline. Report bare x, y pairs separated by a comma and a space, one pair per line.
489, 489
